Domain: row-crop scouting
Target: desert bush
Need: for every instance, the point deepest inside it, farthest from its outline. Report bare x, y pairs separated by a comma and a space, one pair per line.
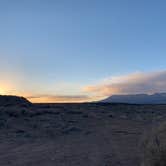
154, 147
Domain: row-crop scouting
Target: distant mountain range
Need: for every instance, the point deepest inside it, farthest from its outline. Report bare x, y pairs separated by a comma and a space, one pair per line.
157, 98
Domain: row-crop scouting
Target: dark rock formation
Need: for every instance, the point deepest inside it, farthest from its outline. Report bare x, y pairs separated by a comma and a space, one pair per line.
13, 101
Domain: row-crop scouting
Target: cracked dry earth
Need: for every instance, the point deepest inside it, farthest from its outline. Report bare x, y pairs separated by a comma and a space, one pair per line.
75, 134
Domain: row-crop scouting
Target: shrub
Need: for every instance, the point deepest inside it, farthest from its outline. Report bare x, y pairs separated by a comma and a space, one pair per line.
154, 147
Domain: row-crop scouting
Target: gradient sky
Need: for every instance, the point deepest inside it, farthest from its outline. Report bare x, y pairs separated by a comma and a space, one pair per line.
59, 50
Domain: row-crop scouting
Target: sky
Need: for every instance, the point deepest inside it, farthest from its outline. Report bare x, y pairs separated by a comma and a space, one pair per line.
81, 50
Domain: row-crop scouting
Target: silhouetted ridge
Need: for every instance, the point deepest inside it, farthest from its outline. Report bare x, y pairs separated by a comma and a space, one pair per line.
6, 100
157, 98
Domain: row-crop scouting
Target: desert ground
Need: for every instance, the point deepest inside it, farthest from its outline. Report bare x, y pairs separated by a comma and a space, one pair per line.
89, 134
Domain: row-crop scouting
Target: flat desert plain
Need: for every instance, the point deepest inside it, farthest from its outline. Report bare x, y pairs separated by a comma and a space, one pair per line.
90, 134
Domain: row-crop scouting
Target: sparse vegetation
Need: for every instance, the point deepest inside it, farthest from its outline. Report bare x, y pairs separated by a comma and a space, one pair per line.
154, 147
89, 134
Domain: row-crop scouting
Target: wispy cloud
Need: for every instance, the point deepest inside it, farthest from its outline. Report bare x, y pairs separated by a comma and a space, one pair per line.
138, 82
16, 83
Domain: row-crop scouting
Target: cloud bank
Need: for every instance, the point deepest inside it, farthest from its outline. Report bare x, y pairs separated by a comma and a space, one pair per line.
134, 83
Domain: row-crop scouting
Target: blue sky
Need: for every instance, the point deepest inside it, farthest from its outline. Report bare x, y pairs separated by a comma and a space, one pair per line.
60, 46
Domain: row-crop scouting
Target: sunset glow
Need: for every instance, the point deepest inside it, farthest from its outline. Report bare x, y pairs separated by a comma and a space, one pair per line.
2, 91
78, 51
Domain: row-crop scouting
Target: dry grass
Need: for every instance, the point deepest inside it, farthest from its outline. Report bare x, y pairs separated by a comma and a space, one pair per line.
154, 147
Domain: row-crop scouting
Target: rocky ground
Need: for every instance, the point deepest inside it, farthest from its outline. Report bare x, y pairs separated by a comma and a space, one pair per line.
75, 134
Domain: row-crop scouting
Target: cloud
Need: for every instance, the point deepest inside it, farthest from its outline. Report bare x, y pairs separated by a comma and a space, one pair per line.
134, 83
58, 98
36, 91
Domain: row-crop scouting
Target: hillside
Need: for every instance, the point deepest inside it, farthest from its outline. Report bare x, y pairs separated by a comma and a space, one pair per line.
6, 100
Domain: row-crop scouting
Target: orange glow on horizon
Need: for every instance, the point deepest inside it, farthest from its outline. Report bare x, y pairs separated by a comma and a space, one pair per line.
2, 91
63, 99
54, 100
